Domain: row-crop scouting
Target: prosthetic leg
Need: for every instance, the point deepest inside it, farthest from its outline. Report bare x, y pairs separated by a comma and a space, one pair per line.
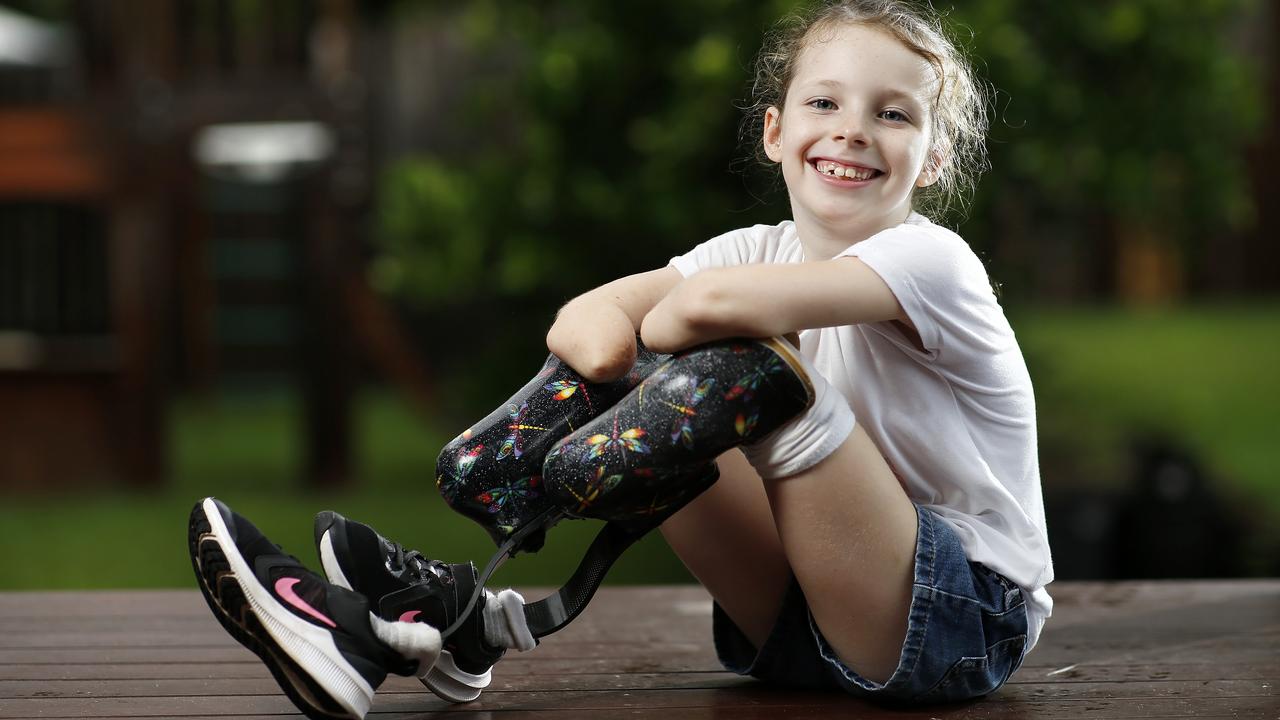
634, 466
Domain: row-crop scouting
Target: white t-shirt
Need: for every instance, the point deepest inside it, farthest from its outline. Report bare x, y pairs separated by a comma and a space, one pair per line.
956, 421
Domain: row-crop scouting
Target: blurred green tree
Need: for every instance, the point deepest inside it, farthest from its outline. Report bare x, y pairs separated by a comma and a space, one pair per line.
603, 143
1131, 116
605, 140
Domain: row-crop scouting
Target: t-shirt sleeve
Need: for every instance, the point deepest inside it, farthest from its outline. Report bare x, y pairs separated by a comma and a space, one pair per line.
941, 284
736, 247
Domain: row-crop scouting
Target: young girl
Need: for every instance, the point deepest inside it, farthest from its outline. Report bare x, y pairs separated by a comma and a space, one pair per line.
917, 542
881, 528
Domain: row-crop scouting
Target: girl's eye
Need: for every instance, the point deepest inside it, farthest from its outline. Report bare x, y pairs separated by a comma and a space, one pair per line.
894, 115
822, 104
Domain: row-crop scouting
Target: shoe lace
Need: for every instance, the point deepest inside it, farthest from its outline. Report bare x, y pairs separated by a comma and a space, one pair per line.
413, 564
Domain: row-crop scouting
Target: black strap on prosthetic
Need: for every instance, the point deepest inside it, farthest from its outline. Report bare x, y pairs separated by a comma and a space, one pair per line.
560, 608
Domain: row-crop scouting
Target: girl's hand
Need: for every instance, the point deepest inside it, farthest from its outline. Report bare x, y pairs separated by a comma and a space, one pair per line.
673, 324
595, 333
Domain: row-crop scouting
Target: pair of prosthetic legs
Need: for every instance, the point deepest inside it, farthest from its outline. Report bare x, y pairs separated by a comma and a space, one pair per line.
631, 453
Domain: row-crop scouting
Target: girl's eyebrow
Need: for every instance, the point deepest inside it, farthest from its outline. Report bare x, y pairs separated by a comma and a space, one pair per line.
889, 94
902, 95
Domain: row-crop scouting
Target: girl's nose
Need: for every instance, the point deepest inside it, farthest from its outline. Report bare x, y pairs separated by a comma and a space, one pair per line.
851, 132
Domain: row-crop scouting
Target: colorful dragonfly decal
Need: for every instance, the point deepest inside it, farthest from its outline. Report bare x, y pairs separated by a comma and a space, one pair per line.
655, 376
565, 389
496, 498
513, 444
628, 440
594, 489
448, 484
467, 460
560, 447
747, 385
744, 424
682, 429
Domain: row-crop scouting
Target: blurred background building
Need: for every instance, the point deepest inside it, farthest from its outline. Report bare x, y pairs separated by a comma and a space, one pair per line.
334, 232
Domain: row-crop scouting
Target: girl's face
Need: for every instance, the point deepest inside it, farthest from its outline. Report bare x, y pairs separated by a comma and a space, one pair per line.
853, 136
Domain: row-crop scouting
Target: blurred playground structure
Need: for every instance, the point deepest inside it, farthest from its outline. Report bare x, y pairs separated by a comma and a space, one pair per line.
181, 189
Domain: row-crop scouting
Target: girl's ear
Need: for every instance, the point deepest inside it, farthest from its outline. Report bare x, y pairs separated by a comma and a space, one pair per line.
773, 134
932, 167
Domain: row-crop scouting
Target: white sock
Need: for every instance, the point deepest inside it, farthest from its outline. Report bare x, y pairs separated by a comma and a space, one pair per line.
504, 623
414, 640
810, 437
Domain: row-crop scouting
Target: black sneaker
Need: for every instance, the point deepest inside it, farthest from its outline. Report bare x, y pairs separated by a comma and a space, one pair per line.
316, 639
403, 585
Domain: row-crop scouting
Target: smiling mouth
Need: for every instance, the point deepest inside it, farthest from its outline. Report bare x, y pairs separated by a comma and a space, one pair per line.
845, 172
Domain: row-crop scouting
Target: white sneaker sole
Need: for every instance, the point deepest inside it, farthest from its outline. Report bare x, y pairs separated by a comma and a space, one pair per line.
309, 648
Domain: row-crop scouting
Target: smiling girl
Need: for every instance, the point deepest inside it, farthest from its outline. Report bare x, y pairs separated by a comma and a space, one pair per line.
895, 544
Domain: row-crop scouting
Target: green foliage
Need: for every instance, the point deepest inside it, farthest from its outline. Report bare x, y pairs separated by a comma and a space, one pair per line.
1201, 376
601, 138
1138, 109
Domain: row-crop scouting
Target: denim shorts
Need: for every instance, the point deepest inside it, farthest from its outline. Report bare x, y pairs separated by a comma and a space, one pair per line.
966, 633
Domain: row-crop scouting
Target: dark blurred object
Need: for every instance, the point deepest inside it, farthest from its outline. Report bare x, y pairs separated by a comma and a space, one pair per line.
1082, 534
1173, 526
1168, 524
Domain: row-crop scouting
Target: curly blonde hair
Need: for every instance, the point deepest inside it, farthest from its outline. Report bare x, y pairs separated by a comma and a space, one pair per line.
959, 117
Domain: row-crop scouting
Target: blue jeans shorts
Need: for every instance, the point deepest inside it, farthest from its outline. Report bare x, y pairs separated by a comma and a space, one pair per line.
966, 633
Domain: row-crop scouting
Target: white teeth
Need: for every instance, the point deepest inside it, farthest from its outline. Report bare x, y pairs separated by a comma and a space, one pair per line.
836, 170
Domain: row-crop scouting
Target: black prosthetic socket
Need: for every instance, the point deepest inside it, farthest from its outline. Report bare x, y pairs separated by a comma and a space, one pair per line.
654, 451
492, 472
650, 454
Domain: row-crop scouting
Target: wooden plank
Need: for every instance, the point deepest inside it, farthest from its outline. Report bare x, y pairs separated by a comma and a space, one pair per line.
650, 657
673, 703
636, 682
251, 668
262, 684
248, 665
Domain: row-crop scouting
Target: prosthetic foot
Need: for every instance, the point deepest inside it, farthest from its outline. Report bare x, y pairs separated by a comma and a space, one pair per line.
403, 585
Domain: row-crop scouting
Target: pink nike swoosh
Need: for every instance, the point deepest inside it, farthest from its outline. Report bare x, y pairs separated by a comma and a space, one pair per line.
409, 616
284, 588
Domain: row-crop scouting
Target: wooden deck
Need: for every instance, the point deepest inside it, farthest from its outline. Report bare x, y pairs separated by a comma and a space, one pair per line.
1115, 650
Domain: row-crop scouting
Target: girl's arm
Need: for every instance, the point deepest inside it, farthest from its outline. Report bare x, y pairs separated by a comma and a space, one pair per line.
766, 300
595, 333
